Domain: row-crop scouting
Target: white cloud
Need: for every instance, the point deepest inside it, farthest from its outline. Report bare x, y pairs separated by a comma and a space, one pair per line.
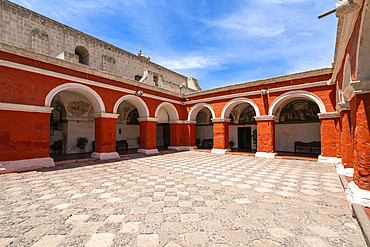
191, 62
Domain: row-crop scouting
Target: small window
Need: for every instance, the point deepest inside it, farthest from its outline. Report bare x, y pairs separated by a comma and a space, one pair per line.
138, 77
155, 79
83, 55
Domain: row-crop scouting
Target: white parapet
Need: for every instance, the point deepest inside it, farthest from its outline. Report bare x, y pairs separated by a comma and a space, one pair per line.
25, 165
105, 156
331, 160
265, 155
357, 195
183, 148
220, 151
345, 171
148, 151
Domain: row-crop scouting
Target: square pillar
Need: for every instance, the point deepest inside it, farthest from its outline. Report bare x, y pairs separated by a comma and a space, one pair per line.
265, 137
105, 136
24, 137
346, 135
329, 137
182, 135
148, 135
220, 135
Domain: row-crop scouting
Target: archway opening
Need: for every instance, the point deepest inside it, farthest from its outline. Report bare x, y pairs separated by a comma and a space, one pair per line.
127, 126
204, 129
163, 128
243, 128
297, 129
72, 126
83, 55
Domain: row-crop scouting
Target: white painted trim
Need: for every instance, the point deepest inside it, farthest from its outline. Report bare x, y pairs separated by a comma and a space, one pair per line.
136, 101
89, 93
330, 160
265, 155
106, 156
196, 108
182, 122
289, 96
265, 118
329, 115
220, 151
147, 119
25, 108
25, 165
221, 120
171, 110
148, 151
229, 106
357, 195
345, 171
365, 9
183, 148
257, 92
105, 115
80, 80
343, 107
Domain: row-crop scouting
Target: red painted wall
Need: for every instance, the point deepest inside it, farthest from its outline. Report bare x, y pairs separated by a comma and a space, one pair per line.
328, 137
266, 136
105, 135
346, 140
148, 135
221, 135
24, 135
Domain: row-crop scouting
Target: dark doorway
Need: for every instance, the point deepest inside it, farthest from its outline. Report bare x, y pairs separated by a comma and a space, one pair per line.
166, 134
245, 138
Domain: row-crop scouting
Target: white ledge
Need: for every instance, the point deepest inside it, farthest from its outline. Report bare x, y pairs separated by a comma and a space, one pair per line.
220, 151
343, 107
330, 160
25, 108
182, 122
25, 165
106, 156
147, 119
265, 155
357, 195
105, 115
345, 171
183, 148
221, 120
265, 118
328, 115
148, 151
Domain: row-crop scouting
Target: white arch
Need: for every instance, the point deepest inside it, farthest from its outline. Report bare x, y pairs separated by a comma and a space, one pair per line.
137, 102
89, 93
229, 106
171, 110
195, 109
285, 98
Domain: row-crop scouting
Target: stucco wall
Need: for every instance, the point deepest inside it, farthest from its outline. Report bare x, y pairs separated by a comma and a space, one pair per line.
287, 134
129, 133
204, 132
80, 129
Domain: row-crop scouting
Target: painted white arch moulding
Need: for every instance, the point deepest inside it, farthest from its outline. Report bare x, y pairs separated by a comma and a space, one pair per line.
171, 110
89, 93
289, 96
229, 106
196, 108
137, 102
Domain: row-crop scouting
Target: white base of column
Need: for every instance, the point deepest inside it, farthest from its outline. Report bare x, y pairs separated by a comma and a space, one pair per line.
345, 171
331, 160
25, 165
265, 155
105, 156
220, 151
357, 195
183, 148
148, 151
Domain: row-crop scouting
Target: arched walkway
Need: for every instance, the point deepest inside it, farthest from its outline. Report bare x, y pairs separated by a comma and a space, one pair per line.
171, 110
137, 102
196, 108
229, 106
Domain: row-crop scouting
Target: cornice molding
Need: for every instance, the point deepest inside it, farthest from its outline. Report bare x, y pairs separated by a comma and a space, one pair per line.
25, 108
147, 119
329, 115
265, 118
105, 115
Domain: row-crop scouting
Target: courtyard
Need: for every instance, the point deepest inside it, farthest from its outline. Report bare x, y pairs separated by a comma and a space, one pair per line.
178, 199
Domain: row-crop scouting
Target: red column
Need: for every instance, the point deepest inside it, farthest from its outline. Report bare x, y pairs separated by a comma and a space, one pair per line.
360, 120
265, 136
148, 135
24, 137
329, 137
105, 136
220, 135
182, 135
346, 139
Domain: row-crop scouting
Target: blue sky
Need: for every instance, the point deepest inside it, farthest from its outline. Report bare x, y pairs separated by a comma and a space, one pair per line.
219, 42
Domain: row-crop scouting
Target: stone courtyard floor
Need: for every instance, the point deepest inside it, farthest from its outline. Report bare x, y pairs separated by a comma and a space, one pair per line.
178, 199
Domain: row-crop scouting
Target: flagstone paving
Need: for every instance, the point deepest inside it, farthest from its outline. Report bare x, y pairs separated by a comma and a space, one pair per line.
178, 199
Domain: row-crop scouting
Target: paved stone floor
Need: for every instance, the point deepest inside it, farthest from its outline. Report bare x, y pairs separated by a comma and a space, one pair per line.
178, 199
